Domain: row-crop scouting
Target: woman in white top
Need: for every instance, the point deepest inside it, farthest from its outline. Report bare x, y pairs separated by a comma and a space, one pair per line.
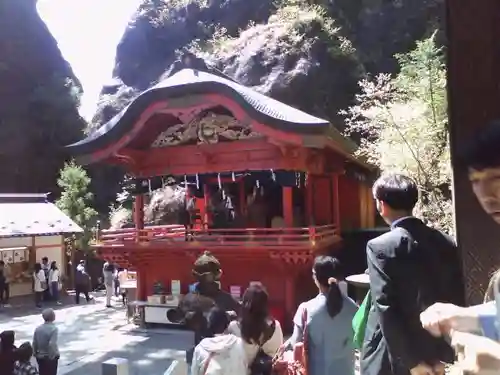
255, 326
54, 280
39, 284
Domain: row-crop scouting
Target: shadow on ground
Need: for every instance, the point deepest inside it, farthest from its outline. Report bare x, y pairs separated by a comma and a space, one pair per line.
147, 353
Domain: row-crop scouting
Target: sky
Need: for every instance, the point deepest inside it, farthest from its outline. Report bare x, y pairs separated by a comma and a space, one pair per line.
87, 33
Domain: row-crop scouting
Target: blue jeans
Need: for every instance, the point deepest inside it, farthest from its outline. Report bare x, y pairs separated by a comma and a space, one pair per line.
54, 290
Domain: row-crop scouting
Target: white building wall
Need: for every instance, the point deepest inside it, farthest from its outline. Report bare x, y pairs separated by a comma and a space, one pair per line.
15, 242
52, 249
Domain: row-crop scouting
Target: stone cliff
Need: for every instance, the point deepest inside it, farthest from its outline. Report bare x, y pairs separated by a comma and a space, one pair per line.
283, 48
39, 97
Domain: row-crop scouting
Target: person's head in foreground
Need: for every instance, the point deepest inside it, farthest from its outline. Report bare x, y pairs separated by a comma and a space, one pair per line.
217, 320
48, 315
326, 274
395, 195
25, 352
254, 312
7, 339
481, 157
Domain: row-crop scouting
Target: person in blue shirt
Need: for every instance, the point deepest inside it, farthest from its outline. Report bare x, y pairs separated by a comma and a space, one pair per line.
328, 323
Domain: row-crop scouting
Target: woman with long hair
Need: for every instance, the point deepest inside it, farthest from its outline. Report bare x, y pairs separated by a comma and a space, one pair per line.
54, 282
39, 284
328, 323
261, 334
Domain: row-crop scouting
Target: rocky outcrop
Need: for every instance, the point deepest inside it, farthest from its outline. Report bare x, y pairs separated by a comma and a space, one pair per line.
163, 207
379, 29
283, 66
38, 109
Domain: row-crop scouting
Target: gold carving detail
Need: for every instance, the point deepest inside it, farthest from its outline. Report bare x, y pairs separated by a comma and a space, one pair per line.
208, 129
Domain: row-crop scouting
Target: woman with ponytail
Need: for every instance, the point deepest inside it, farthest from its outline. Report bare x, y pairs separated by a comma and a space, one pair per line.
327, 319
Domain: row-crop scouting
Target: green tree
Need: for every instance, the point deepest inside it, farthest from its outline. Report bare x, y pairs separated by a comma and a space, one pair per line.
76, 199
403, 125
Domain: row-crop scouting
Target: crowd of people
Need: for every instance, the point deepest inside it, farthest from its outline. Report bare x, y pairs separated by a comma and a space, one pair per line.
248, 343
47, 283
413, 321
44, 348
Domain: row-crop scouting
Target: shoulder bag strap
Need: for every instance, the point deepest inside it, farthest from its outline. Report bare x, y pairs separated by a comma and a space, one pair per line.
304, 335
209, 359
268, 333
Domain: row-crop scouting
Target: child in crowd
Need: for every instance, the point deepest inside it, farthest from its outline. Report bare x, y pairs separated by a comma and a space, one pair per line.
23, 366
221, 354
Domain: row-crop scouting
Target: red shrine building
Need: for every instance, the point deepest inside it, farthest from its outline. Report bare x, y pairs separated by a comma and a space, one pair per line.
291, 180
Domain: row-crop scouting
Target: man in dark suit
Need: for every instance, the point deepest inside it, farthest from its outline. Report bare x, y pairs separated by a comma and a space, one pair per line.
410, 268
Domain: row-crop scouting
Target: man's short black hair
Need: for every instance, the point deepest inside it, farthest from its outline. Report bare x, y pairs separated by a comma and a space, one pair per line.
483, 150
398, 191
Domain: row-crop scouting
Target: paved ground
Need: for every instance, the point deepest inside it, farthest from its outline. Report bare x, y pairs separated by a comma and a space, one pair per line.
91, 333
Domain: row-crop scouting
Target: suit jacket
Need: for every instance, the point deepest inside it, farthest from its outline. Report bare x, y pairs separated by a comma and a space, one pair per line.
411, 267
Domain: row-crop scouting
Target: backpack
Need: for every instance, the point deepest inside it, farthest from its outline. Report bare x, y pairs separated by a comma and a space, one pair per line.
263, 363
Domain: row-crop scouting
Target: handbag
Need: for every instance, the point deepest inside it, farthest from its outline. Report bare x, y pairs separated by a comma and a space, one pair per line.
298, 366
360, 320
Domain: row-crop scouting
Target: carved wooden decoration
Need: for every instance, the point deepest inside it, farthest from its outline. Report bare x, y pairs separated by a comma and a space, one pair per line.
209, 129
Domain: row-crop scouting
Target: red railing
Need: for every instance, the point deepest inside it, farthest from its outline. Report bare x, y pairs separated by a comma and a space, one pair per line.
310, 236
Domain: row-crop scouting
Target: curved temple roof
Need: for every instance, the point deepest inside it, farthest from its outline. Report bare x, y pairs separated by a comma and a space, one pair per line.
188, 82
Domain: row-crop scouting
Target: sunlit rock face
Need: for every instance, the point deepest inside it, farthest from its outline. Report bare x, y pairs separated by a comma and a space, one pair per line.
38, 106
314, 67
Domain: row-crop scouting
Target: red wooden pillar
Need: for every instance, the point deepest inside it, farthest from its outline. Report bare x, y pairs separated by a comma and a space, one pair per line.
139, 212
206, 198
288, 206
139, 226
309, 200
335, 200
243, 197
